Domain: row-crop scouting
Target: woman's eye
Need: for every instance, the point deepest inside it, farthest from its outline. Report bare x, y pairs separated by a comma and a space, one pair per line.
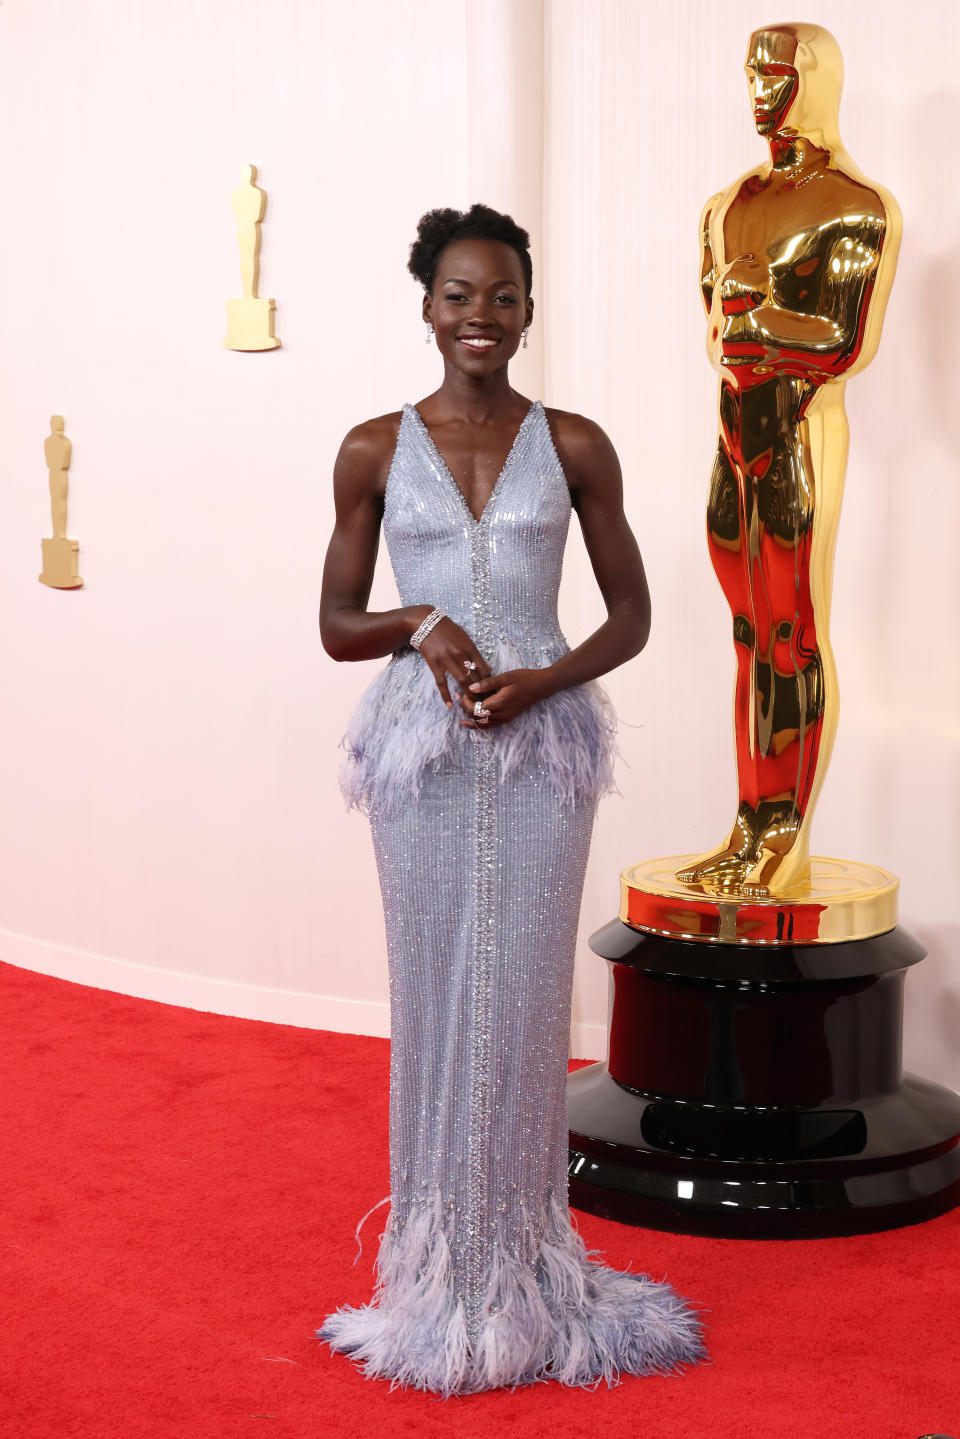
455, 295
507, 299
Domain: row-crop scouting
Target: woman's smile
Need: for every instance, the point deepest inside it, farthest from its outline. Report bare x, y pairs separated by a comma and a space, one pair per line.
478, 343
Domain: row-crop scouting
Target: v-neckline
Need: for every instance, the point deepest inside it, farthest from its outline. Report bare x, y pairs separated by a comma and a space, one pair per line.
445, 469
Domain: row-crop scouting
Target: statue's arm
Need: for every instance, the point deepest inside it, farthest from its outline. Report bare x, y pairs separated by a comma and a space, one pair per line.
818, 304
708, 264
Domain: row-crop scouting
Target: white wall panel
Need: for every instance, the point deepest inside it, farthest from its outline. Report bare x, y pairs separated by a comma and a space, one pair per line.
172, 824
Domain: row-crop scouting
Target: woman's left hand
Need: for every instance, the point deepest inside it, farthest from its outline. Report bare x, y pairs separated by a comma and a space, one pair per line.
505, 696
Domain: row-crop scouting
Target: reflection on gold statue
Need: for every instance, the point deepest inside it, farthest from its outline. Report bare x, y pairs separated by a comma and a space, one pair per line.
798, 258
60, 555
249, 319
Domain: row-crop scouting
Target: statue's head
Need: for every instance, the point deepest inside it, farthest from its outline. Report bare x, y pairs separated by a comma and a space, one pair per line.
56, 423
795, 74
249, 174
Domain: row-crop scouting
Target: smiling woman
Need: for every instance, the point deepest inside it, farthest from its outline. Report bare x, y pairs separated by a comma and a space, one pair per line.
480, 753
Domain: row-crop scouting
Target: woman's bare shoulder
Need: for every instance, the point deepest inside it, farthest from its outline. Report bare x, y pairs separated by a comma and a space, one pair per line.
373, 436
579, 442
366, 450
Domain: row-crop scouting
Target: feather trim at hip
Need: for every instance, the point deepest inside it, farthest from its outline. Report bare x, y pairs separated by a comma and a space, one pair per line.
402, 727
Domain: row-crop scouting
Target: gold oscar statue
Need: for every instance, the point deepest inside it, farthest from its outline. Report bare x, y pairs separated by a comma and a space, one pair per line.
250, 319
60, 555
797, 261
754, 1084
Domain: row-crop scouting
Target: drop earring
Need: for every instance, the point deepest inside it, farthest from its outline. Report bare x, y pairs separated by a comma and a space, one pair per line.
429, 332
526, 331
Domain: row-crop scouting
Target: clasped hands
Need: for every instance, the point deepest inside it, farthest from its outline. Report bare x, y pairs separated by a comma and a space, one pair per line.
449, 651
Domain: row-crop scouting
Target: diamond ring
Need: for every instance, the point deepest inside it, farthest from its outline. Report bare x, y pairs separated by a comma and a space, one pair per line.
469, 666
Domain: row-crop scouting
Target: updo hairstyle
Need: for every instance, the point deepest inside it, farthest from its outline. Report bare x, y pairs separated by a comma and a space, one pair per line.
439, 228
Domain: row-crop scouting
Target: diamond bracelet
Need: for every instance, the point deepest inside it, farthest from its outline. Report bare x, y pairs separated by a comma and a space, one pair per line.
420, 634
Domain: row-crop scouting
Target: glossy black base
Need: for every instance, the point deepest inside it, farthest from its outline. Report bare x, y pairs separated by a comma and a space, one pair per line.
758, 1093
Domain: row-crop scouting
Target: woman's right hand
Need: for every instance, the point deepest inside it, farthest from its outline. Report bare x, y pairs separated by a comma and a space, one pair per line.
447, 650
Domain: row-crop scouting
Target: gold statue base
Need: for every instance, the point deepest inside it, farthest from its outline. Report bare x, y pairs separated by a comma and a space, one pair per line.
60, 561
250, 325
841, 901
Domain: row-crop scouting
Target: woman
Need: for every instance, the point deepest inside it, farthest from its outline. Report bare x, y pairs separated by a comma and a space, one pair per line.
480, 753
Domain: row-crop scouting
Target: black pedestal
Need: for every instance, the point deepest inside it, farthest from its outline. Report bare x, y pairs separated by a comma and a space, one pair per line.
757, 1092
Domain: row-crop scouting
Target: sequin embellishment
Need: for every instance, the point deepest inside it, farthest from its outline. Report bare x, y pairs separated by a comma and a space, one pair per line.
481, 839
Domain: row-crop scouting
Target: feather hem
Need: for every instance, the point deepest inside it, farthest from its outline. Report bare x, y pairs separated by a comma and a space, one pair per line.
564, 1317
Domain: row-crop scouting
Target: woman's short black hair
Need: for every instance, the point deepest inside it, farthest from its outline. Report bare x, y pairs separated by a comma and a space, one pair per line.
439, 228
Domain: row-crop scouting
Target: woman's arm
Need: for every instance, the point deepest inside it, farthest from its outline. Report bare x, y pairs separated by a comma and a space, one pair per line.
349, 630
596, 484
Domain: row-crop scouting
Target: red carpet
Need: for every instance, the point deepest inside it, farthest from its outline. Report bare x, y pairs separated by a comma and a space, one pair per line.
180, 1192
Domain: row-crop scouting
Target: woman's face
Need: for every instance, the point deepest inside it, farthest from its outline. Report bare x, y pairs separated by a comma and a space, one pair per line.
477, 306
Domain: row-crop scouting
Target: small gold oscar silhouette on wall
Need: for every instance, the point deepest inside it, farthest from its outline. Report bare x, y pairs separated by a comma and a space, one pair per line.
60, 555
249, 319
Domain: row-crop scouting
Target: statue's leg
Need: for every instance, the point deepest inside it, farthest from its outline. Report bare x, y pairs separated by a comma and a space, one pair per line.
788, 676
255, 272
248, 237
729, 513
58, 493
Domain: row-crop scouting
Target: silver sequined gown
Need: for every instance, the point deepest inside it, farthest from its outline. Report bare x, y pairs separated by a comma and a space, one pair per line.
481, 840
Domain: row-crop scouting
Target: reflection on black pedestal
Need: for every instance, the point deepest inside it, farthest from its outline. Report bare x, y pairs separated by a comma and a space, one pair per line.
759, 1092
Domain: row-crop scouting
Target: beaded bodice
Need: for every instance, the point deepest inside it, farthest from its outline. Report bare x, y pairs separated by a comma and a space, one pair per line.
498, 576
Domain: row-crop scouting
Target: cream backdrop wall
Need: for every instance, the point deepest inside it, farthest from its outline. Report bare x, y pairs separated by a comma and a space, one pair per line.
171, 820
